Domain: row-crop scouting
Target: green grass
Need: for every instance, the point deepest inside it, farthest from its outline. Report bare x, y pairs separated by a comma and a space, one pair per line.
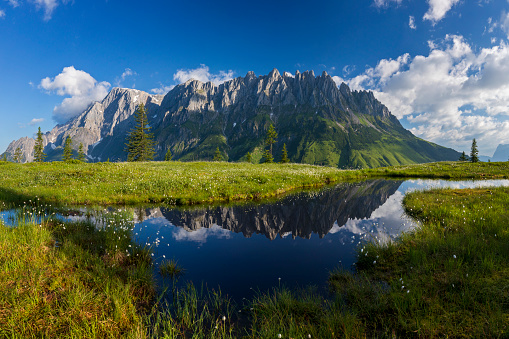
158, 182
183, 183
445, 170
71, 280
448, 278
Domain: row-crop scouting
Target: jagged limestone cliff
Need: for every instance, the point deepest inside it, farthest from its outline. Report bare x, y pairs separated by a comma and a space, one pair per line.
319, 122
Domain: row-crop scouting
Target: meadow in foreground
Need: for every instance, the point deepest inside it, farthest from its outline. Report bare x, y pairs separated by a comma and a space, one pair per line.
447, 278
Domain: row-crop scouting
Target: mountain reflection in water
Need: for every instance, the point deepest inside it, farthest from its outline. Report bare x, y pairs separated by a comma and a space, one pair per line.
298, 215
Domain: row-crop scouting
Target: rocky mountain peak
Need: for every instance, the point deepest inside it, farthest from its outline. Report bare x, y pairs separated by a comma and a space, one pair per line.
274, 74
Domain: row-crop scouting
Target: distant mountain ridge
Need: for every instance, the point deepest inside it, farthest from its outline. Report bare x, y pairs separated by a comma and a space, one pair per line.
319, 122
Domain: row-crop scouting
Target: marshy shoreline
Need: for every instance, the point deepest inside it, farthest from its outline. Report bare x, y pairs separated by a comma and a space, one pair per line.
70, 279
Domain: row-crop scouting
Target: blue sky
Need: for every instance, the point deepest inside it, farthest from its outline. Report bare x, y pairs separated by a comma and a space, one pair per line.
441, 66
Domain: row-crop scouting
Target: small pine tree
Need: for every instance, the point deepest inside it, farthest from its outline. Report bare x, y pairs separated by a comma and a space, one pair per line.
140, 143
474, 152
284, 155
67, 156
39, 154
4, 158
270, 139
81, 153
217, 155
267, 157
463, 157
249, 158
18, 155
168, 155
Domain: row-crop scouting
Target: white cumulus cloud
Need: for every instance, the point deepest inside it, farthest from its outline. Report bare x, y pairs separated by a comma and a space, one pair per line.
81, 88
385, 3
438, 9
163, 89
202, 74
411, 22
126, 74
35, 121
449, 96
48, 6
13, 3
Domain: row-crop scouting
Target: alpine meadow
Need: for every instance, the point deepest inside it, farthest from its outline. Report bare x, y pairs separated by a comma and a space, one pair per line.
326, 169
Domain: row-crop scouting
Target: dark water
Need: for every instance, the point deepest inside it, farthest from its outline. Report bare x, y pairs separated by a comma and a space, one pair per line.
295, 241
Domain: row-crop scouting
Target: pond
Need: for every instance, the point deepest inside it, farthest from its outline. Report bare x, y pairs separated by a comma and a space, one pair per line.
294, 241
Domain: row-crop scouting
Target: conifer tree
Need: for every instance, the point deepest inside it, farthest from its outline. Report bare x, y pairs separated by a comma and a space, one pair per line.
140, 143
217, 155
81, 153
474, 152
168, 155
270, 139
249, 158
18, 155
67, 149
284, 155
267, 157
463, 157
39, 154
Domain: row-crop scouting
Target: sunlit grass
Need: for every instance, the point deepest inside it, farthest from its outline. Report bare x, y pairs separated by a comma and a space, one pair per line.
180, 183
448, 278
70, 280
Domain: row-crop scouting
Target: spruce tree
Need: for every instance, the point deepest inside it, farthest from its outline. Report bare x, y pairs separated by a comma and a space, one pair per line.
267, 157
67, 149
474, 152
463, 157
217, 155
81, 153
284, 155
140, 143
39, 154
249, 158
270, 139
18, 155
168, 155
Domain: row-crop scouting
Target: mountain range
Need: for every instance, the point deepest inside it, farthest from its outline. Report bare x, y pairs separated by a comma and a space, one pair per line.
319, 122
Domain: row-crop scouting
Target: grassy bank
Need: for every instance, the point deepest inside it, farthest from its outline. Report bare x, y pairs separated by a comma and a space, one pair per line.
71, 280
158, 182
197, 182
445, 170
449, 278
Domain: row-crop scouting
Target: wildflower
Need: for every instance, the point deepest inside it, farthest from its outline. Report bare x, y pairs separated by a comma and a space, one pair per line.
454, 256
224, 318
279, 335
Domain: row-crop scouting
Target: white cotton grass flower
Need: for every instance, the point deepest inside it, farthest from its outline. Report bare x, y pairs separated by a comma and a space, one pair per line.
279, 335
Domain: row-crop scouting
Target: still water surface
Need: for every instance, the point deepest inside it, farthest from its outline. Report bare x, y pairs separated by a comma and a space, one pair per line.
295, 241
